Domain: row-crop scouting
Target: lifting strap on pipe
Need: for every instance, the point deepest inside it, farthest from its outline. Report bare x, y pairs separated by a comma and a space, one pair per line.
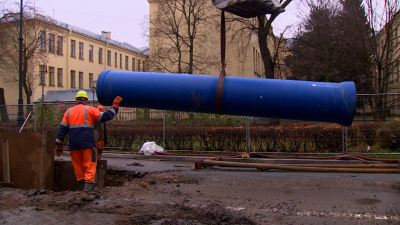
221, 80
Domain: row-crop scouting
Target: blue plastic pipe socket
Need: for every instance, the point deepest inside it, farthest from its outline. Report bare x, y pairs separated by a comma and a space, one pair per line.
271, 98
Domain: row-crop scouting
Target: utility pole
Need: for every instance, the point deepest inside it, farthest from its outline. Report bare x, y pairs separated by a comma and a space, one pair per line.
20, 118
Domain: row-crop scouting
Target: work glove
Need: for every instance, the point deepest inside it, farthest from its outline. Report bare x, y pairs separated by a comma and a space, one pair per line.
116, 102
58, 150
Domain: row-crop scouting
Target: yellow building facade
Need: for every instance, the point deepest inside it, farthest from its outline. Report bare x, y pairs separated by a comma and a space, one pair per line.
75, 58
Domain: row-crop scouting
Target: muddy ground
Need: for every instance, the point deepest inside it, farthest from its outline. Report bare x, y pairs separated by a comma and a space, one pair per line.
215, 196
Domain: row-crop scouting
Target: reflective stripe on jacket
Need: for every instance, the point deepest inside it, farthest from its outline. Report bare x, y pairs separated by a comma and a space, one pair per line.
79, 122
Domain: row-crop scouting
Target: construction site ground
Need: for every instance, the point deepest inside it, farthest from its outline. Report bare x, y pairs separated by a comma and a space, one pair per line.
173, 192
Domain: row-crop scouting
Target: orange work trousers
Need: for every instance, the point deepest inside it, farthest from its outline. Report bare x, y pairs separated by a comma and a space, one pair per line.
84, 162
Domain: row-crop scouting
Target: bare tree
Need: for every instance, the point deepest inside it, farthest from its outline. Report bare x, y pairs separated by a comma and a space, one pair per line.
384, 21
262, 27
33, 51
144, 25
180, 32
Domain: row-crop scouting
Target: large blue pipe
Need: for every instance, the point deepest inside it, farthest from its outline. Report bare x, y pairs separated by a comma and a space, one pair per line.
271, 98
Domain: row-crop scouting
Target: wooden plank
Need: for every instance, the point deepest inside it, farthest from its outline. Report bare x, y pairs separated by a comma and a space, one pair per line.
6, 162
101, 174
43, 160
25, 159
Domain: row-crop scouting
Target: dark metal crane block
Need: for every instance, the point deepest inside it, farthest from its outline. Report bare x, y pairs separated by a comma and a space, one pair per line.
248, 8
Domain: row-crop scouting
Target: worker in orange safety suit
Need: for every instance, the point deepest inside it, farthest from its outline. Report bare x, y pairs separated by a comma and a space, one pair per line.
101, 133
79, 122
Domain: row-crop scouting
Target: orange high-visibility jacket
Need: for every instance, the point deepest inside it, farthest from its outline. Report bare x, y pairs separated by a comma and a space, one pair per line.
79, 122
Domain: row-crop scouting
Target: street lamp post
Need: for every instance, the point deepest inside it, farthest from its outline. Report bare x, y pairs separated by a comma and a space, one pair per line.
93, 91
43, 80
20, 118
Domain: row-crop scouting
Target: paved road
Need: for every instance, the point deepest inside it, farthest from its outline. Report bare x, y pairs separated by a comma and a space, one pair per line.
158, 164
149, 165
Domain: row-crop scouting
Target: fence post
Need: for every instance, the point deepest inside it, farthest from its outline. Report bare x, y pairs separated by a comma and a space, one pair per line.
363, 101
247, 134
344, 139
163, 140
35, 115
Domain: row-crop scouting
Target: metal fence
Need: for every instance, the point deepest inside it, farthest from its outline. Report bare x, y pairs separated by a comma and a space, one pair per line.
132, 127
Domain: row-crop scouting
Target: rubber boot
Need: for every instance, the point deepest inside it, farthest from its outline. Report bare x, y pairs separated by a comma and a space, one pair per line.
81, 185
88, 195
89, 185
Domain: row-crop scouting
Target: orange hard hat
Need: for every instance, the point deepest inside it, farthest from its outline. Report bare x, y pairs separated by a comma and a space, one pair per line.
100, 108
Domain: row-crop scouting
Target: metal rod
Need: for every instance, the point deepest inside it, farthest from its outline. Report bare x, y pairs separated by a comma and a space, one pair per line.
25, 121
163, 140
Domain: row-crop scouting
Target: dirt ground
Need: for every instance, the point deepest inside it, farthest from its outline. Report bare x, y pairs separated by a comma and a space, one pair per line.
215, 196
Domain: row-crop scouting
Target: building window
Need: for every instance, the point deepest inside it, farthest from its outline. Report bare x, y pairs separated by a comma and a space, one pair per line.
42, 71
257, 65
80, 80
398, 72
144, 66
90, 80
138, 65
133, 64
109, 57
42, 36
73, 79
51, 43
120, 61
51, 76
116, 55
91, 53
100, 55
80, 50
59, 45
59, 77
127, 62
73, 54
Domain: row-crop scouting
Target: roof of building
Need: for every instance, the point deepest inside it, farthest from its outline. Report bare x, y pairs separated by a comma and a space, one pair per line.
99, 37
13, 17
65, 96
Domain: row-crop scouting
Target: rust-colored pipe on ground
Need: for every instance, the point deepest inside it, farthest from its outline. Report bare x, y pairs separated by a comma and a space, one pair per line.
380, 166
300, 168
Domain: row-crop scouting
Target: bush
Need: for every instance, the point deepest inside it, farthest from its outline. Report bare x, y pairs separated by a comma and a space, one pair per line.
287, 137
389, 135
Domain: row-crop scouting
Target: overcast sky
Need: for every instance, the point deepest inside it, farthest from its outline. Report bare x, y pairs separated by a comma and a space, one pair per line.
122, 17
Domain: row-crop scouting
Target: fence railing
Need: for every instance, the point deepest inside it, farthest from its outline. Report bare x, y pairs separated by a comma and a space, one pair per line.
200, 132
